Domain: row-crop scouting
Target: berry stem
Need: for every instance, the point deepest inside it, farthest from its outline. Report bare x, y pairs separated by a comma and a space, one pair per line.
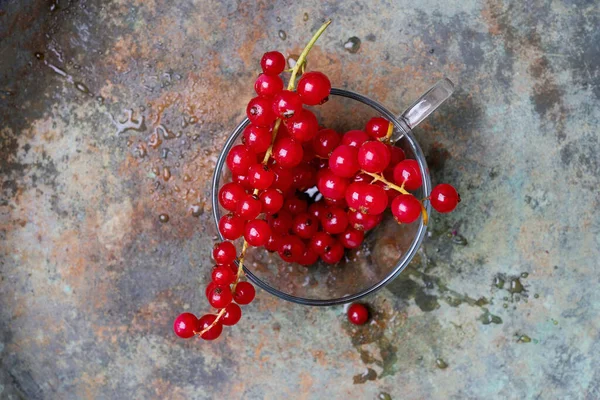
377, 177
389, 133
302, 59
240, 270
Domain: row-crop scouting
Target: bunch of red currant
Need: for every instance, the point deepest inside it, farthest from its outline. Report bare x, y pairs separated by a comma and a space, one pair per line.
301, 190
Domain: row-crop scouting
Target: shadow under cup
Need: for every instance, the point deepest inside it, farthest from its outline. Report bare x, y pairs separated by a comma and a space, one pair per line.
386, 250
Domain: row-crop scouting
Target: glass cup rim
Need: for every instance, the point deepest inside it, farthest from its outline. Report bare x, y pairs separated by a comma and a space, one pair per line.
404, 260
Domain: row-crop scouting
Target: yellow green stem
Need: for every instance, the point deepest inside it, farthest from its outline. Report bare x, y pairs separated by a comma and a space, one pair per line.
219, 316
377, 177
302, 58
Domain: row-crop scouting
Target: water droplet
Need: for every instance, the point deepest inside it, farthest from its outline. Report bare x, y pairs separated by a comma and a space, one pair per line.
187, 178
382, 395
81, 87
166, 173
431, 51
163, 218
128, 143
441, 364
499, 282
77, 66
278, 19
352, 45
516, 286
505, 305
537, 296
154, 141
39, 56
197, 210
524, 275
488, 318
459, 239
100, 99
156, 171
282, 35
524, 339
305, 17
192, 120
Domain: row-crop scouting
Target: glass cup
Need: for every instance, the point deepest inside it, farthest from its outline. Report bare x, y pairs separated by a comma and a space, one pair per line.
386, 250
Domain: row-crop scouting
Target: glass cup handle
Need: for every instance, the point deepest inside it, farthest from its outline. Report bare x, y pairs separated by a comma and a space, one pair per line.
427, 103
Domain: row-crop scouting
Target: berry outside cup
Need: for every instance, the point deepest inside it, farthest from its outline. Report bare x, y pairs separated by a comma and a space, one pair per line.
387, 249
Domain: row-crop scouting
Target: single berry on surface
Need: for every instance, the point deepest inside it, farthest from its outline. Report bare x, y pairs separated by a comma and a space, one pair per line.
444, 198
358, 314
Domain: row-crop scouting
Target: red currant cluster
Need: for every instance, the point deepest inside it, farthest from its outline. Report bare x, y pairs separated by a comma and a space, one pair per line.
301, 190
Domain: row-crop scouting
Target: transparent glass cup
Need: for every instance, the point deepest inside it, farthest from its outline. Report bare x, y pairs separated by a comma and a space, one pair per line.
386, 250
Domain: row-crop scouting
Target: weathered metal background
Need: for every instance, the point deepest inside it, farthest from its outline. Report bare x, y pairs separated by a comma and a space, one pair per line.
91, 275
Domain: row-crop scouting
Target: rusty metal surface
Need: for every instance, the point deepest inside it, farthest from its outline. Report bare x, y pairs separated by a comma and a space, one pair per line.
106, 236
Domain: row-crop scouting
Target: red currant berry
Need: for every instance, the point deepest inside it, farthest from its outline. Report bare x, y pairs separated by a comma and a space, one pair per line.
260, 176
341, 203
374, 200
334, 254
314, 88
220, 296
185, 325
291, 249
303, 126
374, 156
230, 195
355, 194
304, 176
280, 222
287, 152
211, 285
272, 201
249, 207
231, 226
351, 238
268, 85
309, 257
355, 138
239, 159
222, 275
343, 161
317, 209
257, 232
334, 221
242, 180
325, 141
332, 186
257, 138
358, 314
406, 208
305, 226
244, 293
396, 155
286, 104
232, 315
407, 173
206, 321
377, 127
283, 178
274, 243
260, 111
272, 63
444, 198
295, 205
321, 242
224, 253
363, 222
